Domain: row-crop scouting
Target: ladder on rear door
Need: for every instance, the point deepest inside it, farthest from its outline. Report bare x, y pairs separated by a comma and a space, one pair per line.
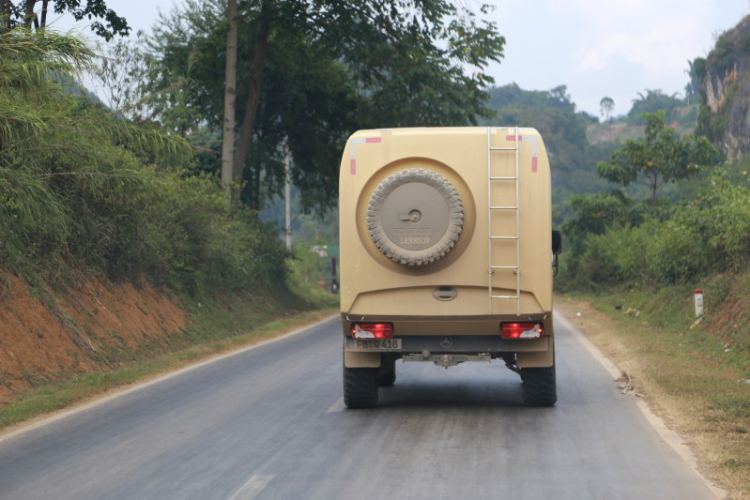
507, 236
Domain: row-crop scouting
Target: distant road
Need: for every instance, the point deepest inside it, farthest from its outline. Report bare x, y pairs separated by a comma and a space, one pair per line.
269, 423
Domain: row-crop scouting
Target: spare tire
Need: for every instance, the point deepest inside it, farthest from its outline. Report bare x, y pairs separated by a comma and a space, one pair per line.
415, 217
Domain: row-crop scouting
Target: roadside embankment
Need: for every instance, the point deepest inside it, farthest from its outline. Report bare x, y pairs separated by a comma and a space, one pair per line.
59, 347
693, 373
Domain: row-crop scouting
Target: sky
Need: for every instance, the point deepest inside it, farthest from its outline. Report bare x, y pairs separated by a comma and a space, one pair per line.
597, 48
610, 48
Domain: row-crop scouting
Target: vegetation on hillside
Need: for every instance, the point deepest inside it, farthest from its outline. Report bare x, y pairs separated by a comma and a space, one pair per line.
654, 101
617, 240
572, 158
689, 224
81, 187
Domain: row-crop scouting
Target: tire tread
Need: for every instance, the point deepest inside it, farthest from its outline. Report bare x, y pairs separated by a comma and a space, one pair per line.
360, 387
539, 386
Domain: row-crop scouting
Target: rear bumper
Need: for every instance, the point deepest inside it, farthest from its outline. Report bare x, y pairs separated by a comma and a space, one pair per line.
447, 344
526, 353
461, 337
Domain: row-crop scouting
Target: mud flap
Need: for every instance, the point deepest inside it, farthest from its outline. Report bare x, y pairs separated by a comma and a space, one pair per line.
537, 359
361, 359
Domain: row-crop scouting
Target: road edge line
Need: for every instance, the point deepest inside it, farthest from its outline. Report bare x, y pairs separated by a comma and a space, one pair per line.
128, 389
671, 437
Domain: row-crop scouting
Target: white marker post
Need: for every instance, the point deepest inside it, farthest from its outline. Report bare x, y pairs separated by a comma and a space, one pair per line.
698, 302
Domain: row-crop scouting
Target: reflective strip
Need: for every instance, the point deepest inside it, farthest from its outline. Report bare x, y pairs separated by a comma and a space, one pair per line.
353, 151
534, 149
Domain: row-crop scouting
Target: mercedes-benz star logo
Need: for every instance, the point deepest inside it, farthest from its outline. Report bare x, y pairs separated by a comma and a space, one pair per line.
446, 342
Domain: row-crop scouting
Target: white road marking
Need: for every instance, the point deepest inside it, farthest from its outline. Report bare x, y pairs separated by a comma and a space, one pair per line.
615, 372
251, 488
337, 406
671, 437
116, 393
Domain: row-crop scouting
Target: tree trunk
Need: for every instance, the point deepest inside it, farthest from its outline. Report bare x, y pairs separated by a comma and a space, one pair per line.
254, 184
28, 13
230, 98
251, 104
5, 15
45, 4
654, 187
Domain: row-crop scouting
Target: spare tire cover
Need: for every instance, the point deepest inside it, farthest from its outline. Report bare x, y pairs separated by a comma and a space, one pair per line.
415, 217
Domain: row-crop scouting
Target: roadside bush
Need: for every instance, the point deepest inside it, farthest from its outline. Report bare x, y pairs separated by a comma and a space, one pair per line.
596, 268
707, 235
616, 257
131, 221
675, 254
728, 221
32, 220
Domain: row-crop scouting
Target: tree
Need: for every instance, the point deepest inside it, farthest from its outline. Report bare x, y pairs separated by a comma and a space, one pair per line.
312, 71
230, 92
653, 101
107, 23
607, 105
116, 75
659, 158
694, 71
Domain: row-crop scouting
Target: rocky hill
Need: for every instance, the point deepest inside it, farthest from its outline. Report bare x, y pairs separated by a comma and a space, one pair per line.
725, 91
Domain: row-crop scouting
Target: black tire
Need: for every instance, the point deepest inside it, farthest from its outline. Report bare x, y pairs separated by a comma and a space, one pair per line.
539, 386
415, 217
360, 387
387, 373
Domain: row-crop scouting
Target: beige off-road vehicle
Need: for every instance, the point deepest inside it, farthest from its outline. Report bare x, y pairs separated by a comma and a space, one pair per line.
446, 255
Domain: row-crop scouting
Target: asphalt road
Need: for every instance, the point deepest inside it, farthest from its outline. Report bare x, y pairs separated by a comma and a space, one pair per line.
269, 423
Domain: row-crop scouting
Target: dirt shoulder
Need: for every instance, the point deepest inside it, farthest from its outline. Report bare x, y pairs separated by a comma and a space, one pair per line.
688, 388
65, 347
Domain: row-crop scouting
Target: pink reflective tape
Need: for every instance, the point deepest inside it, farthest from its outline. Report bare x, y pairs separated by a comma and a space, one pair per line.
353, 151
534, 149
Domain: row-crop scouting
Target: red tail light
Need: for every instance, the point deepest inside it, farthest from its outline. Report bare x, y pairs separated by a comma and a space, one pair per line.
372, 330
521, 330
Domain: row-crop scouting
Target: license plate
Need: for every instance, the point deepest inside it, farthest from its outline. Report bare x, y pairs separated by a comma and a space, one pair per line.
377, 344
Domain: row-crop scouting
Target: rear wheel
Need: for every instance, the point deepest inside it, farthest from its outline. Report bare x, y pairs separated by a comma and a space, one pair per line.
360, 387
539, 386
387, 373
